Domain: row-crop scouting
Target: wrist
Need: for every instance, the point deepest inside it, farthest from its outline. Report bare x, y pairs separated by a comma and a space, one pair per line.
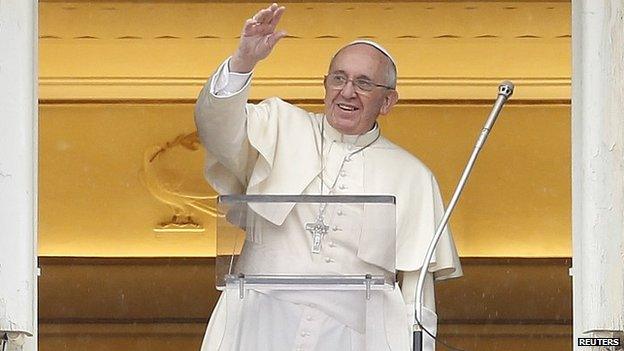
238, 65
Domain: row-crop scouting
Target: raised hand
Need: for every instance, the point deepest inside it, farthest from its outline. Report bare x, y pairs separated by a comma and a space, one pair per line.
257, 38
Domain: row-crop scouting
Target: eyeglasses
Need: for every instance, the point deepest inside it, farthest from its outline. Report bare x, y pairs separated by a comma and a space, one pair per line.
362, 85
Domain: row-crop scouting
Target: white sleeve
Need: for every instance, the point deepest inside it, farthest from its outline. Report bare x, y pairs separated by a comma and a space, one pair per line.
222, 127
226, 83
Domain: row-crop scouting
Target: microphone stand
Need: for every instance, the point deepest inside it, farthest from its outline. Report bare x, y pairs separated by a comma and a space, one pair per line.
505, 89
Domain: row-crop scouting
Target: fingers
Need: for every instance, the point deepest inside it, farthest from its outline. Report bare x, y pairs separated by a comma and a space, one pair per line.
264, 22
258, 37
249, 24
270, 15
258, 30
253, 28
277, 15
265, 15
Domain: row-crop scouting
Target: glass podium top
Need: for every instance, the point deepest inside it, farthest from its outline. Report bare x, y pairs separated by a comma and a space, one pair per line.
307, 242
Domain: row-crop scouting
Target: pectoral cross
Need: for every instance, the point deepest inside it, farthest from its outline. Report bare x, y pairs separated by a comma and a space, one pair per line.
318, 230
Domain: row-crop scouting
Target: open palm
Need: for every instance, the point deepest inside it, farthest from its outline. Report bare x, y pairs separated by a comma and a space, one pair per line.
258, 38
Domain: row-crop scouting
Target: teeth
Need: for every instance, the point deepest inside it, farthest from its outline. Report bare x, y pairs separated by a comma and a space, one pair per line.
346, 107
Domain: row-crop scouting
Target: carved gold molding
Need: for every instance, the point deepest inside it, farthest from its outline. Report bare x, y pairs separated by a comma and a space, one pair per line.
187, 89
164, 50
134, 20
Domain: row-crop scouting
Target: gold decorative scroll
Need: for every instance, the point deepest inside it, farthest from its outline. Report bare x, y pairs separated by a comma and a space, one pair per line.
168, 189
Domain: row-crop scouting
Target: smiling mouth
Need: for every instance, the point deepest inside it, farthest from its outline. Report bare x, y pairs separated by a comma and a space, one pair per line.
348, 108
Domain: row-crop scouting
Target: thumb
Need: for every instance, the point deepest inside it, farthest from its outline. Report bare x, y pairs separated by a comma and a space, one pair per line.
275, 37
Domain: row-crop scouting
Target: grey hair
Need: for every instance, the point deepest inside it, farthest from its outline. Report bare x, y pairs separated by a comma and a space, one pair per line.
391, 74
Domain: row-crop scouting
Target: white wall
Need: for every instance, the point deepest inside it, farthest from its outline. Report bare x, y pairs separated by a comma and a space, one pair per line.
18, 171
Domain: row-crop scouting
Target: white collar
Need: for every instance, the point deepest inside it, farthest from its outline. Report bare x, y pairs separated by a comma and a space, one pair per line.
360, 140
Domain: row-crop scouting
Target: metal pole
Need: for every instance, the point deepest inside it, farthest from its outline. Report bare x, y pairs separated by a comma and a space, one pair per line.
504, 92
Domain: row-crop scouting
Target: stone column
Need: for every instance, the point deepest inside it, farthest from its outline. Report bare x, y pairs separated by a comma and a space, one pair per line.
598, 168
18, 173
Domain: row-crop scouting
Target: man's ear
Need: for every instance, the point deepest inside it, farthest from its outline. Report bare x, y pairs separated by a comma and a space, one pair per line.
391, 98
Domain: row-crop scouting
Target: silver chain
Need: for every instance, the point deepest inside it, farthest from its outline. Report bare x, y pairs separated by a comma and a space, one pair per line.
348, 156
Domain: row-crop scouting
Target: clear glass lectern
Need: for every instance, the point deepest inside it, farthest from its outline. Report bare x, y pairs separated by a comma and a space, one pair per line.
336, 253
283, 242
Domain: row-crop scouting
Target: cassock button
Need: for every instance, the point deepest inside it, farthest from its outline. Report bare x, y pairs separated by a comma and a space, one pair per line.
332, 244
309, 318
339, 212
329, 260
335, 228
342, 187
343, 173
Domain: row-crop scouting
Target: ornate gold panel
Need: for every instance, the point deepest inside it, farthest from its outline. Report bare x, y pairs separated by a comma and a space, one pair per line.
92, 203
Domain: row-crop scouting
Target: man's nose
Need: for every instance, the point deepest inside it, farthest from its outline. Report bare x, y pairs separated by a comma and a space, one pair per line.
348, 91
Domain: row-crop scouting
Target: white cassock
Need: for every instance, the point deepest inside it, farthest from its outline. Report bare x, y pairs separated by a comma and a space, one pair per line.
274, 148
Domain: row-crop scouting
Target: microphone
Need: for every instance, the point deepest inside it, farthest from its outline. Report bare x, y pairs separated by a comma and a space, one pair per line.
505, 90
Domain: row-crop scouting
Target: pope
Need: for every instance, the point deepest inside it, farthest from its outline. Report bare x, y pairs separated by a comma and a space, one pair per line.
274, 147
